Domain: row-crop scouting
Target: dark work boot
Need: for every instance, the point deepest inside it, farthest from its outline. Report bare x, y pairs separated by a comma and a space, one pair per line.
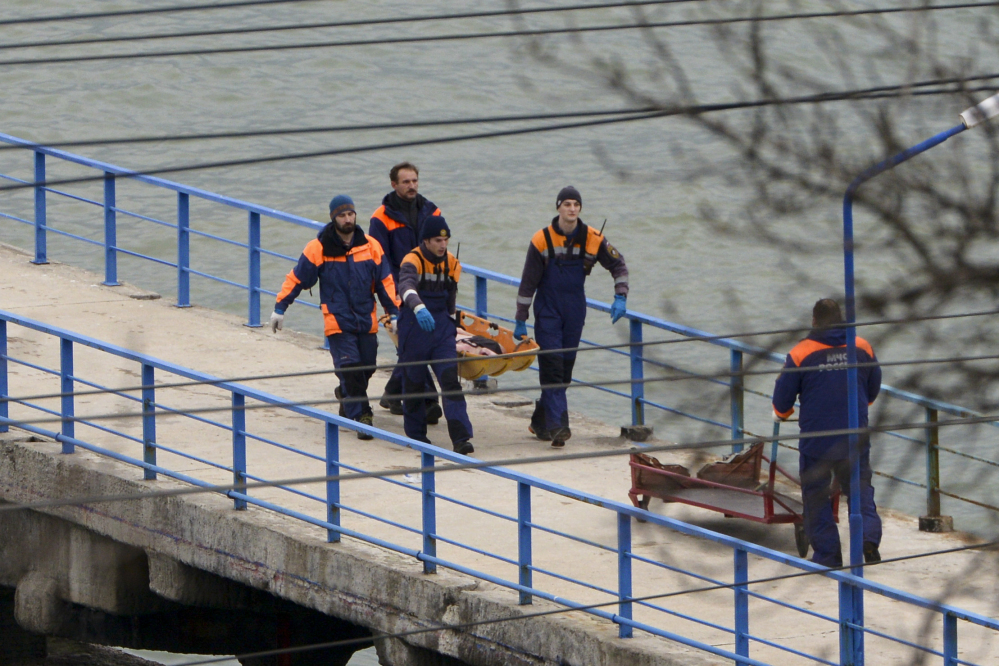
339, 396
559, 435
434, 413
871, 554
366, 420
464, 448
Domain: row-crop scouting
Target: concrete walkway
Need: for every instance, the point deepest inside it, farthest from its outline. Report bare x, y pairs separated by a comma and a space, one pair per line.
219, 344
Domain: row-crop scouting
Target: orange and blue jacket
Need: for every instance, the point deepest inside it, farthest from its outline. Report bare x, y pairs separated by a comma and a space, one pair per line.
551, 245
424, 275
349, 278
820, 381
397, 231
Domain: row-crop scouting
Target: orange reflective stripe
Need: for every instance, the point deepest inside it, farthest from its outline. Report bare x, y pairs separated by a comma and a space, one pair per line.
784, 415
455, 271
330, 325
804, 348
389, 284
538, 241
593, 240
866, 346
290, 282
389, 223
314, 252
414, 259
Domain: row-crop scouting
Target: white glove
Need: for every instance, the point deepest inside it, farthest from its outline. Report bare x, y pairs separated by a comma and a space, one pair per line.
392, 323
277, 322
778, 418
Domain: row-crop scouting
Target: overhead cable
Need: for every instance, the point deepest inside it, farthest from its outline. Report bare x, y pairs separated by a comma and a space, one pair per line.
474, 464
423, 39
173, 9
389, 20
562, 350
879, 92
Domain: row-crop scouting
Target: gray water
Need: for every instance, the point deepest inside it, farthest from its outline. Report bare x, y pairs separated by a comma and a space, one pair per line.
642, 177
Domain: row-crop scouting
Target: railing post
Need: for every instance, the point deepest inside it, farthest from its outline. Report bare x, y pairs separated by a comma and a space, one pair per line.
110, 232
4, 405
148, 421
429, 514
950, 639
332, 485
239, 448
637, 374
933, 521
481, 296
737, 390
741, 603
254, 270
41, 251
183, 250
524, 540
624, 572
66, 388
851, 640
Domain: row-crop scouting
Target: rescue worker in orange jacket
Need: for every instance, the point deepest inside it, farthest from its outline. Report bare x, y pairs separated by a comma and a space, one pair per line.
397, 225
350, 268
824, 407
559, 259
428, 282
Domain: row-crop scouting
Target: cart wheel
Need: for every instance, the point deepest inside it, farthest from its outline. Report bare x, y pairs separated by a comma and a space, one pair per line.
801, 539
644, 504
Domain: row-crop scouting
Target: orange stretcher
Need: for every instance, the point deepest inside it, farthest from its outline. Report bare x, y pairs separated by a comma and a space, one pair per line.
517, 355
731, 487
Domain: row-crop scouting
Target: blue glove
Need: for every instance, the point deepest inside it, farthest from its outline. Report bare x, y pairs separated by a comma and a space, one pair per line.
425, 319
618, 308
520, 330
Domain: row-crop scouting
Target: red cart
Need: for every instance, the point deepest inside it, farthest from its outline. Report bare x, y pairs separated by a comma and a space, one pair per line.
731, 487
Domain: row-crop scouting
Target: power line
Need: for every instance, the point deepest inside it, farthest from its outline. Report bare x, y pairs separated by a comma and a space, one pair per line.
485, 464
142, 12
388, 20
690, 110
465, 36
489, 14
538, 352
461, 392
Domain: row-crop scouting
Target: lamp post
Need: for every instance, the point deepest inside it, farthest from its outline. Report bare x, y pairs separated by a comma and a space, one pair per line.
852, 650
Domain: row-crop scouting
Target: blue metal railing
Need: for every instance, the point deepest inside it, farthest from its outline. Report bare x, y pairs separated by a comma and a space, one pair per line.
253, 244
335, 515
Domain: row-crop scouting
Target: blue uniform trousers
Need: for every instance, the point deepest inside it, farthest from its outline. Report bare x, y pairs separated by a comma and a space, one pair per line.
349, 350
816, 477
415, 344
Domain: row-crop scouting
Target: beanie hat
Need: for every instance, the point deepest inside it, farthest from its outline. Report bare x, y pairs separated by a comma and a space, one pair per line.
568, 192
340, 204
435, 226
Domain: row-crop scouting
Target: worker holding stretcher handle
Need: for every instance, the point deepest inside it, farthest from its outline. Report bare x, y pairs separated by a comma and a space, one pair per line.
559, 259
428, 283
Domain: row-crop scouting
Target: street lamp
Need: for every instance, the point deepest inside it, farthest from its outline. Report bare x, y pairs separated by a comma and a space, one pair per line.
854, 638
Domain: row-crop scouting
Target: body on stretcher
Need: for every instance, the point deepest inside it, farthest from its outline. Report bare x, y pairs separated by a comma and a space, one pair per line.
732, 487
486, 349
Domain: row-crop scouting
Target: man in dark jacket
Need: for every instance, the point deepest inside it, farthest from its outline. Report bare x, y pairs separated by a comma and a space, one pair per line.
559, 259
820, 381
350, 268
397, 224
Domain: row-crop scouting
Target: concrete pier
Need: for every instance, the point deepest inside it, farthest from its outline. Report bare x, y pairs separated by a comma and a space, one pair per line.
142, 558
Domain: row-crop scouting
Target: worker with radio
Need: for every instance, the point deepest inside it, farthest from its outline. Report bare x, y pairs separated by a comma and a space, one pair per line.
428, 282
817, 375
351, 269
397, 225
559, 259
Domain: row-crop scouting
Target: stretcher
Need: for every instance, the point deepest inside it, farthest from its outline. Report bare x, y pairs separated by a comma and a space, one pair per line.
731, 487
478, 343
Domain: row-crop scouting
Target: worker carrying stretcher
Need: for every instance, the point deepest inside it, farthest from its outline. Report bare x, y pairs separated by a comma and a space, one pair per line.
559, 259
428, 283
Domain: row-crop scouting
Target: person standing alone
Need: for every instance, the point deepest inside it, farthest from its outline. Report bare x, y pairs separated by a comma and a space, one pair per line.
559, 259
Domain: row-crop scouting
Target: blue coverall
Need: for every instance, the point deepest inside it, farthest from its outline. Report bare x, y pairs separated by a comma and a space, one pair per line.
823, 393
435, 286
